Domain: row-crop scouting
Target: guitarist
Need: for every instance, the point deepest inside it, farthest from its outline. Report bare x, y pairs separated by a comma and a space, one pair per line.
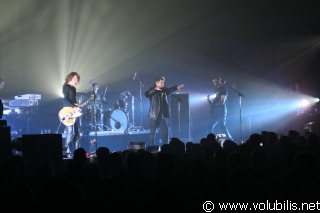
218, 111
69, 100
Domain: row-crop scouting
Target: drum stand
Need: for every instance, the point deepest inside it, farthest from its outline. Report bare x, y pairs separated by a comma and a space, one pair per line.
132, 109
132, 126
101, 120
94, 141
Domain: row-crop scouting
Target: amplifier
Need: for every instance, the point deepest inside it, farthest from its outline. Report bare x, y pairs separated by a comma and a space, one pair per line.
12, 111
23, 103
28, 96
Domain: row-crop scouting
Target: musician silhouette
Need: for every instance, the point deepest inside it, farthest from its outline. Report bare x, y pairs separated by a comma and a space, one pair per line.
69, 101
218, 109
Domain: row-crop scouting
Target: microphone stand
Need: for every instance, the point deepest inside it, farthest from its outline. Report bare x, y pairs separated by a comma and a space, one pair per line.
57, 131
94, 141
240, 97
140, 87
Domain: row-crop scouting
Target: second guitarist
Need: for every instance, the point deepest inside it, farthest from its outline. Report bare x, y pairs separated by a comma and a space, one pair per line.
218, 113
69, 100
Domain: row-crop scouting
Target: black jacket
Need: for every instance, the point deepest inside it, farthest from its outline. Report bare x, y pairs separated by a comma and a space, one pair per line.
69, 95
155, 97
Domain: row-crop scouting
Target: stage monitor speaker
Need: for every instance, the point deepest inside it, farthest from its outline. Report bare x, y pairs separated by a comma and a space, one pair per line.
135, 146
39, 147
313, 127
1, 108
3, 123
180, 116
5, 144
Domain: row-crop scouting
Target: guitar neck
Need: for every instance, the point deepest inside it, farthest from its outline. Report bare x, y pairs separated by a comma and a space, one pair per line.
85, 103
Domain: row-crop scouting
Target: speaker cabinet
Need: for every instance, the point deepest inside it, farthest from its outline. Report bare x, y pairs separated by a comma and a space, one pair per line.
5, 144
39, 147
180, 116
1, 108
135, 146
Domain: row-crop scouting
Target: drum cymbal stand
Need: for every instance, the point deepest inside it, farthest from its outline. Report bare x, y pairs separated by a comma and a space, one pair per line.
140, 91
132, 107
132, 125
104, 126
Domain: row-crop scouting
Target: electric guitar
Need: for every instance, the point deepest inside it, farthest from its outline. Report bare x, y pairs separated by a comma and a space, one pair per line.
68, 116
214, 103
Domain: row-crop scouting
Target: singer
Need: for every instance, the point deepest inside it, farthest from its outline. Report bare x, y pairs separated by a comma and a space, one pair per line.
218, 109
159, 108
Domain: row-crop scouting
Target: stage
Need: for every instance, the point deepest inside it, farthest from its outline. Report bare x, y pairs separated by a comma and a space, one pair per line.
114, 140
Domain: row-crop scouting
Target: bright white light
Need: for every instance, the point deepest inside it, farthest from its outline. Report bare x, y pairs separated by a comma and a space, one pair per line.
213, 96
305, 103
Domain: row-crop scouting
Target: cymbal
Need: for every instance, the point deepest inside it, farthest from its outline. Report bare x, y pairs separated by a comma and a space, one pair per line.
5, 101
9, 107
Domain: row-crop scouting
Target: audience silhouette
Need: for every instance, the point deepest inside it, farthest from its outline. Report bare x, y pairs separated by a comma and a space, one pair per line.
180, 177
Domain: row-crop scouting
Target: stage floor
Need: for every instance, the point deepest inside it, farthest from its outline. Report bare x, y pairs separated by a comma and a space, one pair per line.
112, 132
114, 140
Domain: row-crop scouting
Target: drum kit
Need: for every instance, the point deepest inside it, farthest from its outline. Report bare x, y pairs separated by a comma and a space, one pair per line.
104, 115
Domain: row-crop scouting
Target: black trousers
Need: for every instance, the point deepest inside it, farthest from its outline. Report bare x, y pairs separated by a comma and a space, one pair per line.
217, 123
159, 123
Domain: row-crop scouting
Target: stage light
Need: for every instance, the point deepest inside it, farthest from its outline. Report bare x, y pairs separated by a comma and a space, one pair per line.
212, 96
308, 102
304, 103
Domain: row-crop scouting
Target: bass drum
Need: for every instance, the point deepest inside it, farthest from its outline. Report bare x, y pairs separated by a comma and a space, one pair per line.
118, 120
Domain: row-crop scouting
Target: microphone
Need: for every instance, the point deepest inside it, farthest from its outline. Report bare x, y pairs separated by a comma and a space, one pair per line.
134, 77
225, 82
